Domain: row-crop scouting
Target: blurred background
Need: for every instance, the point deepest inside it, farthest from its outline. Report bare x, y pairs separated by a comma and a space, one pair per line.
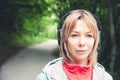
28, 22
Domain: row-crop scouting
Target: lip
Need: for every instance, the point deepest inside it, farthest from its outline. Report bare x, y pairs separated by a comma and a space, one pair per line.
80, 51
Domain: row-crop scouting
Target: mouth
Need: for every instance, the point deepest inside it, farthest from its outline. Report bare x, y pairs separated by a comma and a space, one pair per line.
81, 51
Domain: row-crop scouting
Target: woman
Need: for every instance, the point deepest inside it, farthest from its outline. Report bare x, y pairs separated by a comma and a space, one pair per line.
79, 38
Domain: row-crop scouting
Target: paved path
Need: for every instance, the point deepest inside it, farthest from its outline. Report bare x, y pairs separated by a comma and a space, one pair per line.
27, 64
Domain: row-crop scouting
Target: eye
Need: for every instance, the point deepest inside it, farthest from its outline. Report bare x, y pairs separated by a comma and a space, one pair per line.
74, 35
89, 35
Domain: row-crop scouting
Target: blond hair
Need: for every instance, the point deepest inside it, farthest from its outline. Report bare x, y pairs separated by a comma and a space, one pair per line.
68, 26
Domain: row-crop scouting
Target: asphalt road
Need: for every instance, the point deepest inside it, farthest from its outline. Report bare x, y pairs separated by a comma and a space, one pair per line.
28, 62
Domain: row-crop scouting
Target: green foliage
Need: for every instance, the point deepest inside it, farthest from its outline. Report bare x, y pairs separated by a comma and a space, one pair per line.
25, 22
35, 28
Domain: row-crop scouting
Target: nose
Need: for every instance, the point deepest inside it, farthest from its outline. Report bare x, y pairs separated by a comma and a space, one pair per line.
81, 41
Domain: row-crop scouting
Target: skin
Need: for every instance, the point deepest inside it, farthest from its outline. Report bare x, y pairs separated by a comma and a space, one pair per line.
80, 42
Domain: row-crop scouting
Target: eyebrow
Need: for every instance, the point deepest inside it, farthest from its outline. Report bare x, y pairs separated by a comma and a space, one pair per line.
78, 32
89, 32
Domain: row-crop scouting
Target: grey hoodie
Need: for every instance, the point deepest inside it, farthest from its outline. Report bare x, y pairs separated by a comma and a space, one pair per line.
54, 71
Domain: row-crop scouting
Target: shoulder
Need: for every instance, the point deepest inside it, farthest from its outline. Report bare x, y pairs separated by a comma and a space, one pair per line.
54, 61
51, 69
108, 76
42, 76
101, 70
54, 66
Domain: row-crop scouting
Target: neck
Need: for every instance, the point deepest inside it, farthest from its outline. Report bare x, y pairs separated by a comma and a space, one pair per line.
80, 62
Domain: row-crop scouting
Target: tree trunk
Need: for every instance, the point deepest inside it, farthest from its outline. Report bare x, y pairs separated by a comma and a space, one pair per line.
112, 36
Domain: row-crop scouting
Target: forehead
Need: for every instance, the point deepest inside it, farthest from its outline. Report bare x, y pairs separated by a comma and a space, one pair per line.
81, 26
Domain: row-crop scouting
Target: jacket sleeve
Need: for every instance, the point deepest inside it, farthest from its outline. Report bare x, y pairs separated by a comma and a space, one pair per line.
42, 76
108, 76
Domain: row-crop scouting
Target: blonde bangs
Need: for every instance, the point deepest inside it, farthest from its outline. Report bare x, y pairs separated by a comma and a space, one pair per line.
92, 24
68, 25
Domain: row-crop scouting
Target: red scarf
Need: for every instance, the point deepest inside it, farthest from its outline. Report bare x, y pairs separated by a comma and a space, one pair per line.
76, 72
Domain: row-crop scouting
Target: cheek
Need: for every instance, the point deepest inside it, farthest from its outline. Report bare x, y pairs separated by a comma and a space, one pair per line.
71, 43
91, 44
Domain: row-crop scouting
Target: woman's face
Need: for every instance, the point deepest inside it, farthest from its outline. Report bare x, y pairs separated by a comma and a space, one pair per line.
80, 42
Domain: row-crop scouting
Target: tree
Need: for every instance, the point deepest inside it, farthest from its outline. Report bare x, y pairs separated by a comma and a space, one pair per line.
112, 35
